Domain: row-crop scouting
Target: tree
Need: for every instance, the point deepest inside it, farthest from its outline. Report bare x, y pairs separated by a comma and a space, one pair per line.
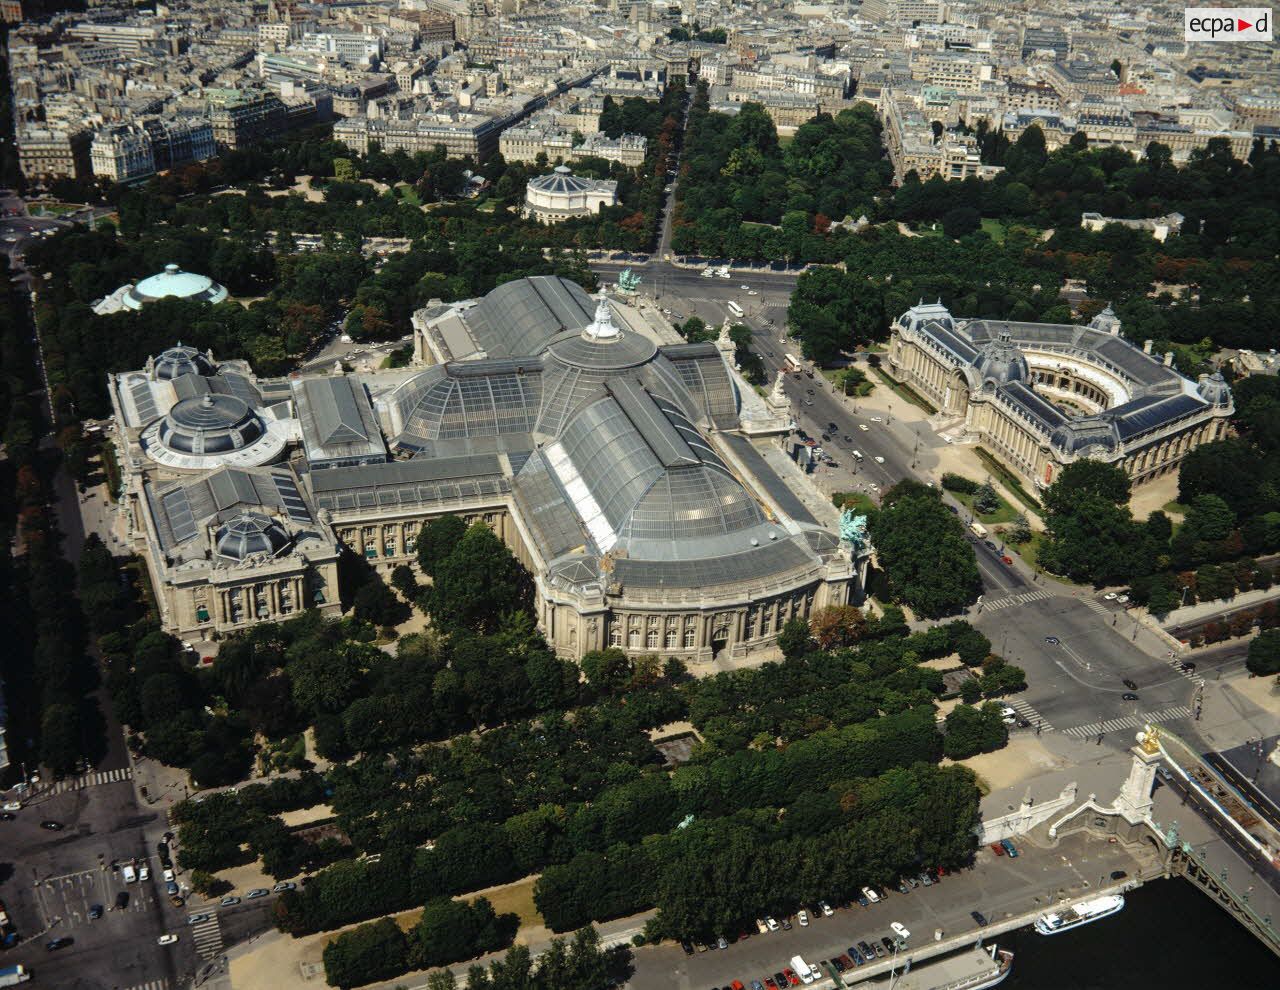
1086, 478
607, 670
1020, 529
985, 499
794, 638
403, 580
438, 539
1264, 653
928, 564
974, 730
971, 645
61, 742
372, 952
836, 626
477, 582
962, 220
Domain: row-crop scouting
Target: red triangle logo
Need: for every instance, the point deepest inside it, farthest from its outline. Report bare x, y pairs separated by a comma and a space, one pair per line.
1243, 25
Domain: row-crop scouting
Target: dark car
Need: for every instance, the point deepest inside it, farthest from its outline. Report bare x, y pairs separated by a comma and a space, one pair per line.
855, 955
903, 888
810, 391
786, 924
51, 825
887, 942
1051, 640
863, 900
7, 816
979, 917
781, 980
58, 943
95, 912
1128, 696
122, 900
1118, 875
1130, 684
990, 545
953, 510
848, 439
1187, 667
846, 961
878, 949
688, 948
826, 438
832, 427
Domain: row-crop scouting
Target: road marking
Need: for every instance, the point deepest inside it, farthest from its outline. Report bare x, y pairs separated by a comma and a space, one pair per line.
1128, 722
1019, 599
1027, 711
1097, 606
207, 936
160, 984
88, 780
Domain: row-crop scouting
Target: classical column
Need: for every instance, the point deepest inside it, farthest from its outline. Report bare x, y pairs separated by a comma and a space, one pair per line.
221, 610
273, 597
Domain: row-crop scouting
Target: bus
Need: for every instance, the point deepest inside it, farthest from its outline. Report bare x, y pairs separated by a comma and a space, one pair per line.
735, 309
793, 363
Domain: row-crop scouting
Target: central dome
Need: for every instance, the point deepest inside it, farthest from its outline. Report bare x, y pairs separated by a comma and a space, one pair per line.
174, 283
210, 424
562, 180
1002, 361
250, 533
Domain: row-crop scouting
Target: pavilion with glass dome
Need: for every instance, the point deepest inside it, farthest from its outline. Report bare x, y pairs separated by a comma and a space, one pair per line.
172, 283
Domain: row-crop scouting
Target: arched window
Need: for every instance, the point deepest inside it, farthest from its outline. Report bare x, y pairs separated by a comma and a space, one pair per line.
651, 638
615, 634
690, 637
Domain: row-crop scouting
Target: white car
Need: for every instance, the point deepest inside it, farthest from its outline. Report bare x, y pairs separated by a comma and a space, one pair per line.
871, 895
1122, 599
877, 419
900, 930
1110, 596
803, 918
168, 876
745, 288
708, 273
825, 908
863, 427
752, 292
144, 873
772, 923
879, 459
947, 439
167, 939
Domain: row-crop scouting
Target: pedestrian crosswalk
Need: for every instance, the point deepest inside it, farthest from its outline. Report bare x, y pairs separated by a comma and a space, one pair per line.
207, 936
1127, 722
89, 780
1025, 709
1096, 606
1019, 599
1176, 664
159, 984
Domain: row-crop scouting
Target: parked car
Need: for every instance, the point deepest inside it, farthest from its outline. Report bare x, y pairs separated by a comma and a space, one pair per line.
7, 816
167, 939
862, 899
868, 952
95, 912
855, 955
688, 948
870, 894
195, 919
1009, 848
1119, 875
284, 885
229, 901
997, 848
722, 943
826, 909
903, 888
771, 923
761, 927
979, 917
786, 924
1052, 640
51, 825
888, 943
53, 945
846, 960
803, 918
171, 889
1131, 684
168, 876
900, 930
926, 879
122, 900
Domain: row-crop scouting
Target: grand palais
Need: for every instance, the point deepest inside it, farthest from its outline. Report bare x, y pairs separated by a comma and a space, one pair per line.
639, 478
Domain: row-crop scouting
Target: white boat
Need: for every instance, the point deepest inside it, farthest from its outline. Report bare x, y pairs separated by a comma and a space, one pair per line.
1080, 913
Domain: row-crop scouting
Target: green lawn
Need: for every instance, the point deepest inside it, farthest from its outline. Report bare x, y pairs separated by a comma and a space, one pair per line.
1004, 512
994, 229
905, 392
409, 195
1008, 479
1174, 508
856, 501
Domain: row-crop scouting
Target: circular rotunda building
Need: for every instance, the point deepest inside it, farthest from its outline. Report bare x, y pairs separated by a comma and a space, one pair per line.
174, 283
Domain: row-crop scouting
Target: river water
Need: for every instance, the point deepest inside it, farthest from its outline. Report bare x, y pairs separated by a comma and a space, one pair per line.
1168, 937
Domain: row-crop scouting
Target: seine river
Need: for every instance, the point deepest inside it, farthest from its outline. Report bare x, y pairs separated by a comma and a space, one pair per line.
1168, 937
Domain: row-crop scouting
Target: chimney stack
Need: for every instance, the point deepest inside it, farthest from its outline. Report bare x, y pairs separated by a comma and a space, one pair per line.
1168, 359
1146, 346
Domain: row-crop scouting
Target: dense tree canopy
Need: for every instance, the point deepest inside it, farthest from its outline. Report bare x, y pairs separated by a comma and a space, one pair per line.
928, 564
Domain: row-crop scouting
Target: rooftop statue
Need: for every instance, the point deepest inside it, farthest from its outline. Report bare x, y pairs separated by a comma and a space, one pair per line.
853, 531
628, 281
